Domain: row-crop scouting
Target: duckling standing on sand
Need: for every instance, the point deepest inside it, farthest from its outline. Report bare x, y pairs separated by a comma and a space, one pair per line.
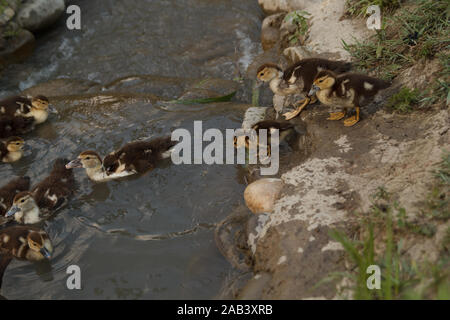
10, 190
349, 90
46, 197
11, 149
133, 158
23, 243
298, 79
36, 108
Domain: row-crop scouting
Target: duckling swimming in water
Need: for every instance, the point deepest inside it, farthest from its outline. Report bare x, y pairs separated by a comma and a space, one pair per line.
23, 243
10, 190
133, 158
11, 150
348, 90
12, 126
46, 197
37, 108
298, 78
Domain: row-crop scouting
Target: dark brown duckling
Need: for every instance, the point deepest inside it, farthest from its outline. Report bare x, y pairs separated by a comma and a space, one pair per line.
23, 243
133, 158
283, 127
298, 78
348, 90
15, 125
46, 197
10, 190
11, 150
37, 108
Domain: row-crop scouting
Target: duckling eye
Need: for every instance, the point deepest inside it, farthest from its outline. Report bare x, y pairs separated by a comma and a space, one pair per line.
22, 201
88, 158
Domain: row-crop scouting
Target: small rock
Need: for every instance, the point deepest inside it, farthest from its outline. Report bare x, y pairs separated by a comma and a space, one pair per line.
6, 16
17, 48
35, 15
270, 30
274, 6
260, 196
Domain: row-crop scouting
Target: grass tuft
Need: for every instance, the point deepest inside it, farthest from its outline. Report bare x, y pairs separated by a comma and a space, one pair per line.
359, 7
381, 242
404, 101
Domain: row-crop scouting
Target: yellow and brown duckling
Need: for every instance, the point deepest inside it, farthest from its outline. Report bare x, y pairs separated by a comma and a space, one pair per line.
37, 108
348, 90
11, 150
46, 197
10, 190
283, 127
133, 158
298, 78
23, 243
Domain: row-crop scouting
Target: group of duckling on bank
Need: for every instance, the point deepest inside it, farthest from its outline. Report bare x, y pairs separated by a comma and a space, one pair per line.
23, 238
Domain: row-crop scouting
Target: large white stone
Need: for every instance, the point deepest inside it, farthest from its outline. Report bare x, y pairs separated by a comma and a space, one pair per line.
260, 196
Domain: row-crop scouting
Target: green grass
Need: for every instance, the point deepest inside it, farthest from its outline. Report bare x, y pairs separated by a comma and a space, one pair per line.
381, 242
359, 7
438, 202
300, 20
409, 36
405, 100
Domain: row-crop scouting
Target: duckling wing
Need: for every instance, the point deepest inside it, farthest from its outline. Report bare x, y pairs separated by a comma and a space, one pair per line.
9, 191
5, 259
11, 126
55, 190
3, 150
13, 105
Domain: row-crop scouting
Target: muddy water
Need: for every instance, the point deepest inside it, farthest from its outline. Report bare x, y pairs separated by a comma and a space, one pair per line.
149, 237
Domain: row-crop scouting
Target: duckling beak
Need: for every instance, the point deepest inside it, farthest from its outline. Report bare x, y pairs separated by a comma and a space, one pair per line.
26, 147
45, 253
74, 164
52, 109
12, 211
313, 90
259, 83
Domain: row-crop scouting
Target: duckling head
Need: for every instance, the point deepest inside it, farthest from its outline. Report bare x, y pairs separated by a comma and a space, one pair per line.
24, 208
241, 142
15, 144
88, 160
325, 79
40, 108
40, 244
268, 71
40, 103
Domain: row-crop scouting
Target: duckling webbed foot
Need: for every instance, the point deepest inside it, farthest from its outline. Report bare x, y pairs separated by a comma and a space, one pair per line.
352, 120
336, 115
293, 114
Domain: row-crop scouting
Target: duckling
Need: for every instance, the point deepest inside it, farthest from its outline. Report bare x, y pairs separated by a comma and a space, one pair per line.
11, 125
298, 78
23, 243
46, 197
9, 191
11, 150
133, 158
36, 108
283, 127
349, 90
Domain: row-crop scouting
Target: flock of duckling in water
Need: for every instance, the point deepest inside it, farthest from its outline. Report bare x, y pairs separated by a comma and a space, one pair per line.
317, 79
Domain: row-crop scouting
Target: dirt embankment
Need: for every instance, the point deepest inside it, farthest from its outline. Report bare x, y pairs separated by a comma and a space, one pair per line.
332, 174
